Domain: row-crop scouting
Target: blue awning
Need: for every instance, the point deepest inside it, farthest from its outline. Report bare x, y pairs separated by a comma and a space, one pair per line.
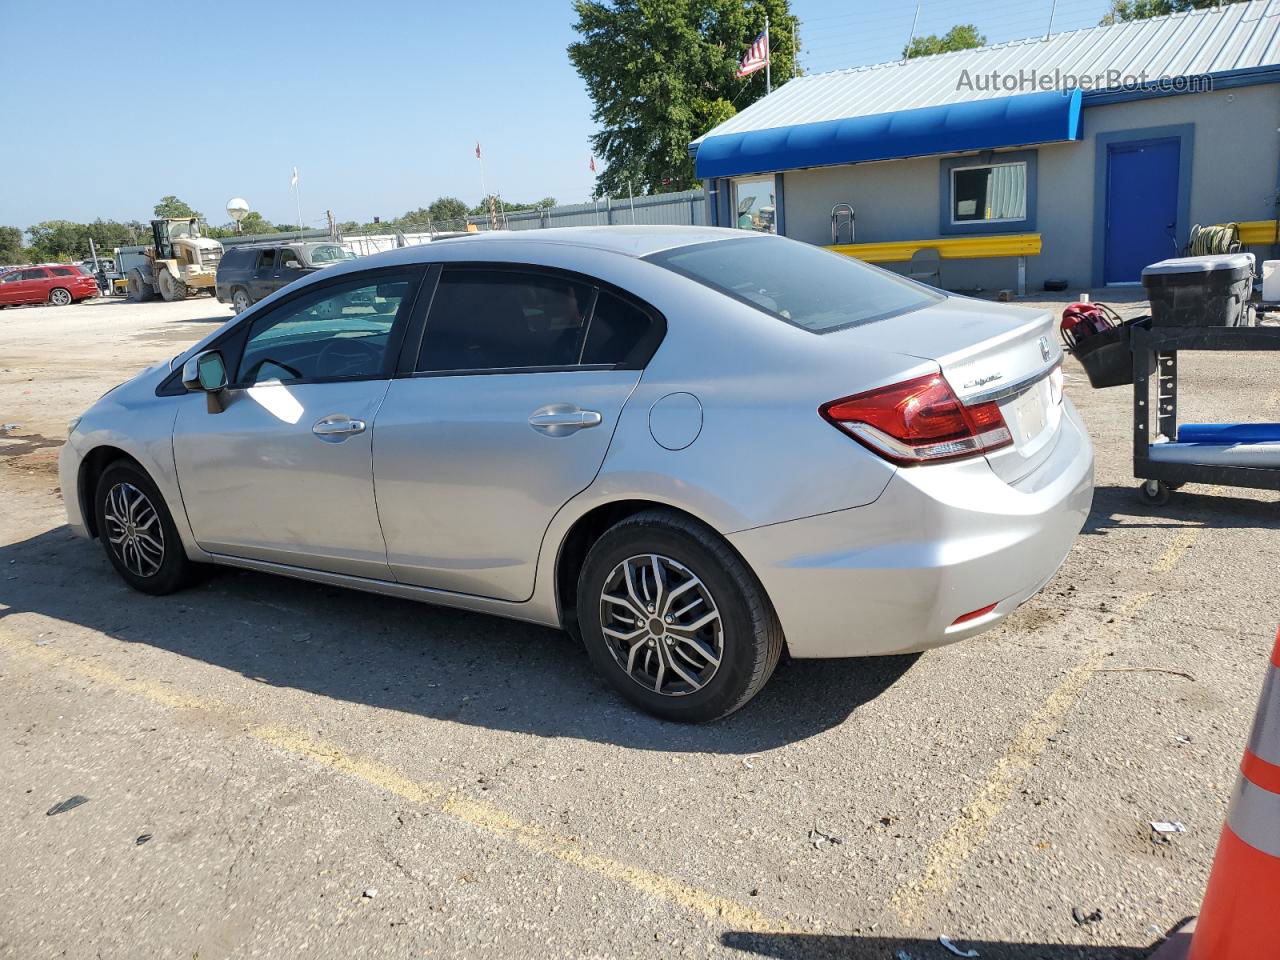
1026, 119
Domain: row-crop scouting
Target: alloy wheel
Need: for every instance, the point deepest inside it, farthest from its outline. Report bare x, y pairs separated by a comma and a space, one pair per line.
60, 298
134, 530
662, 625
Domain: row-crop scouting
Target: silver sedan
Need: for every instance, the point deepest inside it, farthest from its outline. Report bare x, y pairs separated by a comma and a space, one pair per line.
694, 449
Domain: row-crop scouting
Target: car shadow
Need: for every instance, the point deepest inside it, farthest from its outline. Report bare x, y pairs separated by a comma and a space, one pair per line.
414, 658
785, 946
1194, 504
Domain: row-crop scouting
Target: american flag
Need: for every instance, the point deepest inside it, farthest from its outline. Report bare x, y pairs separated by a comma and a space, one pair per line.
477, 149
757, 57
593, 164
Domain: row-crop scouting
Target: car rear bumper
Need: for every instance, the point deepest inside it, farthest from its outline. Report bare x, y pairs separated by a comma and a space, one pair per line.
940, 542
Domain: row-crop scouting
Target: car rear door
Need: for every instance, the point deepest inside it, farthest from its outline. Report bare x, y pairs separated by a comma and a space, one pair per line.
284, 472
508, 413
262, 274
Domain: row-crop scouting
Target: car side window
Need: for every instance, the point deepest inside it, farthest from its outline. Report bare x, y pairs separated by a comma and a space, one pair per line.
265, 259
289, 260
63, 272
493, 319
619, 333
37, 274
338, 331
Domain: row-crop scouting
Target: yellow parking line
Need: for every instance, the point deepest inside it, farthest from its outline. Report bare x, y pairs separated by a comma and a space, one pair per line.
1181, 544
951, 852
473, 813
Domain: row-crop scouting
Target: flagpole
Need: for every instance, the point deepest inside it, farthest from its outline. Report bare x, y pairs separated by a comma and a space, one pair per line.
768, 58
297, 196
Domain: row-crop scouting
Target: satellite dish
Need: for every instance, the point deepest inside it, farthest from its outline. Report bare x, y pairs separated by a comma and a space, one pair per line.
237, 207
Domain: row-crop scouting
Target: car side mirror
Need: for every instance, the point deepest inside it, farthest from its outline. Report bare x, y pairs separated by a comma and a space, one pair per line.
207, 373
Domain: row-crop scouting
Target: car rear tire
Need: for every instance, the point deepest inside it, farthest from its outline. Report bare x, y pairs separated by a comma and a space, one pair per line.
675, 620
240, 301
60, 296
137, 531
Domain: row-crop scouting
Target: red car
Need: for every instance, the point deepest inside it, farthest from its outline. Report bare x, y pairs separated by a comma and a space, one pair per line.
57, 285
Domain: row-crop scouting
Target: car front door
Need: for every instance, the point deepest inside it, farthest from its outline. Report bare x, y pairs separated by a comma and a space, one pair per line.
284, 473
288, 268
509, 411
262, 277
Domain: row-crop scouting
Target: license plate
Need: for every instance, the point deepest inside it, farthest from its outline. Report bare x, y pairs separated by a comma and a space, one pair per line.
1030, 410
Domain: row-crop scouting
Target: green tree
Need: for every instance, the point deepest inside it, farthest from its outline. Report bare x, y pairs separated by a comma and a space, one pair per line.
11, 249
1122, 10
443, 209
661, 72
61, 240
171, 208
963, 36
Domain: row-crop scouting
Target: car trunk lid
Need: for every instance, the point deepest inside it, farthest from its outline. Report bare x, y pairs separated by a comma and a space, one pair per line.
987, 352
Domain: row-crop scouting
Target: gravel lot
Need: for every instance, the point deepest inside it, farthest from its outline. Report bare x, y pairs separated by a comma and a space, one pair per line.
331, 774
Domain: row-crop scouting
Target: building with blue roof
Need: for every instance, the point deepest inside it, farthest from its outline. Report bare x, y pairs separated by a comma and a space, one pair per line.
1079, 157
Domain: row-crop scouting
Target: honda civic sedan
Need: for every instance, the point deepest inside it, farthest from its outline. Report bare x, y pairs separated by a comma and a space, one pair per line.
693, 449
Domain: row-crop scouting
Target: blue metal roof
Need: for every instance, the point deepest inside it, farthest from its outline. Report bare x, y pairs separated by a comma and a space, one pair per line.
979, 125
1235, 44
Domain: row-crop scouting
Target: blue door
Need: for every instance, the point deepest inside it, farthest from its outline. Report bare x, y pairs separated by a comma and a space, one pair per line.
1142, 207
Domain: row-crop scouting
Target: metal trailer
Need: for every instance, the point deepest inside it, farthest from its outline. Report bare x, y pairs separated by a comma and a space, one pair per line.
1155, 357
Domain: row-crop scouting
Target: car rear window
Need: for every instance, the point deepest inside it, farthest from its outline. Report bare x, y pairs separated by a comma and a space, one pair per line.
804, 285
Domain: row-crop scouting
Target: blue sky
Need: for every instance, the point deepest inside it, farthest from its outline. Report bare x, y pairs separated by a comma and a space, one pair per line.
379, 103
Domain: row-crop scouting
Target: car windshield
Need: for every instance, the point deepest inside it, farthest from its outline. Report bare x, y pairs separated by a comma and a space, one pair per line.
329, 253
812, 288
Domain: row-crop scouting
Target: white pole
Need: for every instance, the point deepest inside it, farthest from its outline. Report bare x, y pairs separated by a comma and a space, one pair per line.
297, 196
632, 198
768, 58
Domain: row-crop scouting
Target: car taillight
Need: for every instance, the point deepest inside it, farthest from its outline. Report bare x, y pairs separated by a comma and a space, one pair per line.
919, 421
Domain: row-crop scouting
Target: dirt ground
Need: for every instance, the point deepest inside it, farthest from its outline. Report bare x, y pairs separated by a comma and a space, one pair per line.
278, 769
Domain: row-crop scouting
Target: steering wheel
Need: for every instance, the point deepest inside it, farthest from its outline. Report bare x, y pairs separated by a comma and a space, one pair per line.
345, 357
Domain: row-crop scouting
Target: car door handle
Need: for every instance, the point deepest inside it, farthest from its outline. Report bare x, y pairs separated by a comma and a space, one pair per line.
337, 428
562, 419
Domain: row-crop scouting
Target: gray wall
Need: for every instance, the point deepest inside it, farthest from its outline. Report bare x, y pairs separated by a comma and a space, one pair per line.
1234, 177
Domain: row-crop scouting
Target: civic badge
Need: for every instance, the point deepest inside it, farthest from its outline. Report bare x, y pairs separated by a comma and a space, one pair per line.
1044, 347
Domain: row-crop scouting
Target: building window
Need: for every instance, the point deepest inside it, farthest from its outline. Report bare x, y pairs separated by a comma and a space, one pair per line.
755, 204
989, 195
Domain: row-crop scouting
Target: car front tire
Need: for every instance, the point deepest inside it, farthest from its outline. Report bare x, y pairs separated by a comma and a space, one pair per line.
675, 620
137, 531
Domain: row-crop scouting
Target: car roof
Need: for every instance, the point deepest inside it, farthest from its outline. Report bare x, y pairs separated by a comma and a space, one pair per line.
633, 241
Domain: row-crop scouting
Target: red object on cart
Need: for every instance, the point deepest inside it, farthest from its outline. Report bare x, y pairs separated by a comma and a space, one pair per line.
1080, 321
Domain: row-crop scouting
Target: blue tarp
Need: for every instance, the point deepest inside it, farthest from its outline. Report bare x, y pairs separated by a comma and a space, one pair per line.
1022, 120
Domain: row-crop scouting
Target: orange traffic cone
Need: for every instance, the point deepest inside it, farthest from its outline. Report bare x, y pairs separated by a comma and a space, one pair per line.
1240, 917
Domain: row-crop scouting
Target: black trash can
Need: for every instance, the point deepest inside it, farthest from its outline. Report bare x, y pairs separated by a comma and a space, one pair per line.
1200, 291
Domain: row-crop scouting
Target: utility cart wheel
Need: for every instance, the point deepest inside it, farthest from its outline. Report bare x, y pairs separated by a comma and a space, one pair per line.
1154, 492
